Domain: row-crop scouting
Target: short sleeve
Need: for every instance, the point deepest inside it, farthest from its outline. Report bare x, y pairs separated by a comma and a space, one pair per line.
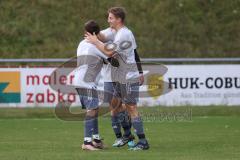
97, 52
124, 42
109, 34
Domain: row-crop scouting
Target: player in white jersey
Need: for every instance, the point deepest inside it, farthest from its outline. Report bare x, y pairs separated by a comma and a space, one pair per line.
90, 62
126, 75
119, 115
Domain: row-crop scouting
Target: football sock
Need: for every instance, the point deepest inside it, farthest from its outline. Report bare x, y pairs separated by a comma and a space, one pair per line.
138, 126
95, 126
88, 126
125, 122
116, 126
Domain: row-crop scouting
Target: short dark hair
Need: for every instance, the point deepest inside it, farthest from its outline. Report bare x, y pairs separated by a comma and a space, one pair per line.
91, 26
118, 12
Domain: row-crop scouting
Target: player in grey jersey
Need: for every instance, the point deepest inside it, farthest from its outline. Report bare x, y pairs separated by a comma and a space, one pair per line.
119, 115
90, 62
127, 76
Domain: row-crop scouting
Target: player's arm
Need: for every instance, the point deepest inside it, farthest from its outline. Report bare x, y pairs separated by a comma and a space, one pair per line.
139, 66
113, 61
106, 35
100, 45
102, 37
99, 53
138, 61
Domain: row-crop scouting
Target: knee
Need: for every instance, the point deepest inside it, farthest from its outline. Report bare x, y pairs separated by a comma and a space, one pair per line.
132, 110
115, 106
92, 112
117, 110
113, 113
115, 103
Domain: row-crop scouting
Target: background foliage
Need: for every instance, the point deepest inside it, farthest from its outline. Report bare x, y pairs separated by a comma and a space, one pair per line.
163, 28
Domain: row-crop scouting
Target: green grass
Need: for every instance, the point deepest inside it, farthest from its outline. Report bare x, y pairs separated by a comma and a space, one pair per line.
38, 112
202, 138
215, 135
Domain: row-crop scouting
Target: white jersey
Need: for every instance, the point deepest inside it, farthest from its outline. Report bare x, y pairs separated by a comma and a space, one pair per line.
126, 56
87, 75
127, 70
125, 35
109, 34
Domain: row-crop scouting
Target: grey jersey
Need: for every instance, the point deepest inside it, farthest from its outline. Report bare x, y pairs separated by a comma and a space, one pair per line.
127, 70
89, 65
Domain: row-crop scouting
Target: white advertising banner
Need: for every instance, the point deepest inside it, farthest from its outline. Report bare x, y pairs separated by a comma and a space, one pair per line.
186, 84
200, 85
34, 87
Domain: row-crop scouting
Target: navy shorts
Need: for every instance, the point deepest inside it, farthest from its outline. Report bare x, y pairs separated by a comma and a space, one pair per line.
88, 98
109, 88
129, 93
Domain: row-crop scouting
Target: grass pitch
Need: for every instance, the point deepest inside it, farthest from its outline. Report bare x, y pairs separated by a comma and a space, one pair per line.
215, 134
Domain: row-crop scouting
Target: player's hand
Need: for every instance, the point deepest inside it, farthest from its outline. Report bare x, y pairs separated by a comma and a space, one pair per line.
91, 38
141, 79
